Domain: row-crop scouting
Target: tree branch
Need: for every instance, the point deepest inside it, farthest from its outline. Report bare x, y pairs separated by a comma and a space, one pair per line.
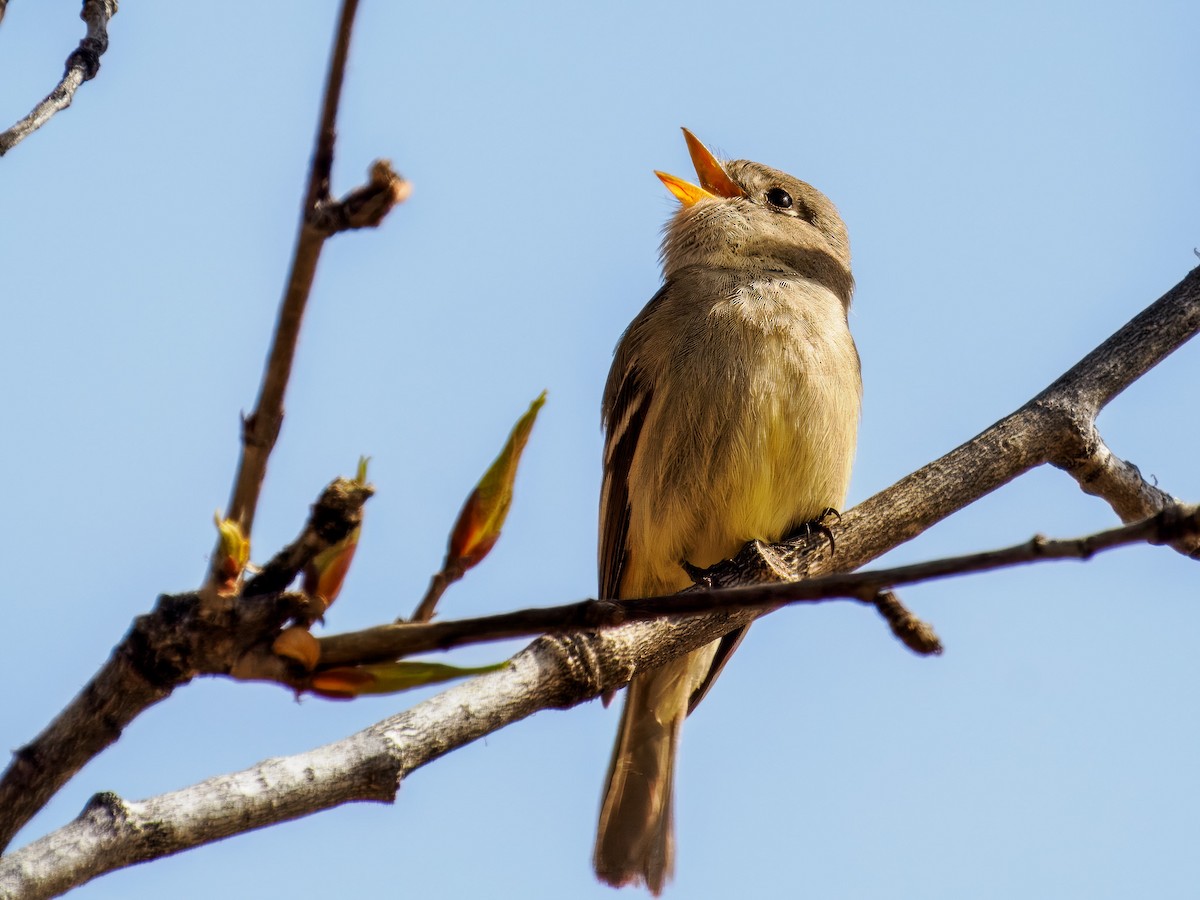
82, 65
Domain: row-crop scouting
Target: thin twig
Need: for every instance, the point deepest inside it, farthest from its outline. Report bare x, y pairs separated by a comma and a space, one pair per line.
395, 641
321, 218
82, 65
261, 428
445, 577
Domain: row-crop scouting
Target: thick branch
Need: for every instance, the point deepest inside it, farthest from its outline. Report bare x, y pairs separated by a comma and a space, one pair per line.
1145, 341
82, 65
357, 768
551, 673
1119, 482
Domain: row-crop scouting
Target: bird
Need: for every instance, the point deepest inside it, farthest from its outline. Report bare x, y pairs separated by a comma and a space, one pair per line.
730, 414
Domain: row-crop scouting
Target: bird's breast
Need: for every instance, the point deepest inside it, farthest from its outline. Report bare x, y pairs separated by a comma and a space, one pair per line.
758, 431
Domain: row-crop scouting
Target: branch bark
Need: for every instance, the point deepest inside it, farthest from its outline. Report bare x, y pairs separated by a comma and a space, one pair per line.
82, 65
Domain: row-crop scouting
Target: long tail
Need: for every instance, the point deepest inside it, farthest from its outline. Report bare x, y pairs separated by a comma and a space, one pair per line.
635, 839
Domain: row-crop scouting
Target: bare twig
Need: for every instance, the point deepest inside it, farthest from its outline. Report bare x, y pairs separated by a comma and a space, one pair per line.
82, 65
321, 218
261, 428
395, 641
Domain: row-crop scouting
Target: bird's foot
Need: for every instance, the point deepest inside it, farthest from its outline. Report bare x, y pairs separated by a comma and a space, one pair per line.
820, 525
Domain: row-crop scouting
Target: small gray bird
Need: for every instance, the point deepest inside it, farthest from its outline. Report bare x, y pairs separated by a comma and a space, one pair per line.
731, 413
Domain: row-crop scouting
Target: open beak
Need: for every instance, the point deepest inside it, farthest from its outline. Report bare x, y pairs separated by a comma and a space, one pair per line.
714, 183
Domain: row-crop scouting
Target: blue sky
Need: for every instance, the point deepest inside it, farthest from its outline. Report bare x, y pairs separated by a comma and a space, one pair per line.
1018, 181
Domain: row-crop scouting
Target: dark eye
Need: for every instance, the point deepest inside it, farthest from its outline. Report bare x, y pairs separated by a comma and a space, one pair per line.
780, 198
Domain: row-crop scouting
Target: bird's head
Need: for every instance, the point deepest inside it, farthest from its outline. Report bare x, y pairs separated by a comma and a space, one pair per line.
744, 215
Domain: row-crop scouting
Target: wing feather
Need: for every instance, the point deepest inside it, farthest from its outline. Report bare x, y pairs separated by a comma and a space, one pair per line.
625, 418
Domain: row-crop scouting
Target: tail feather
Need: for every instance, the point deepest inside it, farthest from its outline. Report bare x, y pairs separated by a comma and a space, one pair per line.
635, 839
